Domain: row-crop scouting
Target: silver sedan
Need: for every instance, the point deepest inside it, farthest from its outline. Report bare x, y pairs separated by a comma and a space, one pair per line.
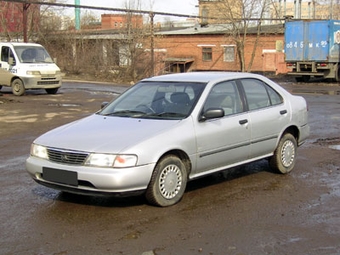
167, 130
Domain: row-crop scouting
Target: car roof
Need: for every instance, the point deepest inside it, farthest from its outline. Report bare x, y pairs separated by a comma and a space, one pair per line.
203, 77
20, 44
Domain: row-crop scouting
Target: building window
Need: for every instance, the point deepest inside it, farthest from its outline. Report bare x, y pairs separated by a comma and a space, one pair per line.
229, 53
205, 15
207, 54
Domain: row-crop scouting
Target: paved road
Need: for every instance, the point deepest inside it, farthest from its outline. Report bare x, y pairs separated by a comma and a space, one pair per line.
249, 210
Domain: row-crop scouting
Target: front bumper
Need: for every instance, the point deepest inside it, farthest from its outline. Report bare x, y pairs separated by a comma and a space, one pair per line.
94, 180
38, 82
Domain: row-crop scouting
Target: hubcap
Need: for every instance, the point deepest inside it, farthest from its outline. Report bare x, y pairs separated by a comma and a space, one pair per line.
288, 153
170, 181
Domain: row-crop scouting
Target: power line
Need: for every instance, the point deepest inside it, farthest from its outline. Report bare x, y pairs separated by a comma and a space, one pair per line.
135, 11
104, 8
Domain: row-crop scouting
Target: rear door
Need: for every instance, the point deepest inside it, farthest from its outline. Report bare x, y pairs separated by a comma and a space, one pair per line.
268, 115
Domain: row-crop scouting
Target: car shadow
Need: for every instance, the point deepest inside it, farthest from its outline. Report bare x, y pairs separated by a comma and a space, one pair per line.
140, 200
230, 174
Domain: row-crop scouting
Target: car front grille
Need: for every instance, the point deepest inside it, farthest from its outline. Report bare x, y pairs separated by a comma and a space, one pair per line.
48, 82
66, 157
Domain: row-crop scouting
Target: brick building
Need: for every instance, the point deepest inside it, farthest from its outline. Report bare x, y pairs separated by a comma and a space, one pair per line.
121, 21
210, 48
217, 11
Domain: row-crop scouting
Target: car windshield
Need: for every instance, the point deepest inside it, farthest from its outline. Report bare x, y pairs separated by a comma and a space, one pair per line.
32, 54
157, 100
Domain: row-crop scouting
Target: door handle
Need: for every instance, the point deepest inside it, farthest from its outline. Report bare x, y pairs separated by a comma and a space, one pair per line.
242, 122
283, 112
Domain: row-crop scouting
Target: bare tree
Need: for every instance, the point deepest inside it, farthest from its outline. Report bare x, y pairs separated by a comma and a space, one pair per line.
241, 15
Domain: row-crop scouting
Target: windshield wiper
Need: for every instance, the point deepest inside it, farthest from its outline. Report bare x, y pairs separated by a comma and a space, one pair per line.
169, 114
126, 113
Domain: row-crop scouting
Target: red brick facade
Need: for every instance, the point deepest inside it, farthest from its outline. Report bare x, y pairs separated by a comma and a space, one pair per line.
120, 21
222, 52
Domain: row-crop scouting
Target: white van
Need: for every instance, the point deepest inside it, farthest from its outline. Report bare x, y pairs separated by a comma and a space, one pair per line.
28, 66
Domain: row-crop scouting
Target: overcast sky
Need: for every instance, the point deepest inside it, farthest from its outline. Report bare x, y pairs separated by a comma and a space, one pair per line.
169, 6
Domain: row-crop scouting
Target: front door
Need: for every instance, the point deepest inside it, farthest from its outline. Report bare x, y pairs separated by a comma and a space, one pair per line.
224, 141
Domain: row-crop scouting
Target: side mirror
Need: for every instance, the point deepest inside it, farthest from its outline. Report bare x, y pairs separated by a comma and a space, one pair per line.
212, 113
103, 105
11, 61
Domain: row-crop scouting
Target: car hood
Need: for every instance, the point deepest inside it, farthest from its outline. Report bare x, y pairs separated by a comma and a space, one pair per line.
104, 134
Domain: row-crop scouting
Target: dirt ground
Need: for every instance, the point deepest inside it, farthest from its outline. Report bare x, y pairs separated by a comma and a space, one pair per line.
244, 211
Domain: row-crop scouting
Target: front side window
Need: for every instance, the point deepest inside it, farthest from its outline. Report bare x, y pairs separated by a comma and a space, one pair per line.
207, 54
259, 94
6, 53
225, 95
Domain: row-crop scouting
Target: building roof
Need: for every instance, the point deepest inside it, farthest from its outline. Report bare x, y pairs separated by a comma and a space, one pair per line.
223, 29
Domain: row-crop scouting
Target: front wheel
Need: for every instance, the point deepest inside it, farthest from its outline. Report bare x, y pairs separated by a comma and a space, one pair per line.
18, 87
168, 182
284, 157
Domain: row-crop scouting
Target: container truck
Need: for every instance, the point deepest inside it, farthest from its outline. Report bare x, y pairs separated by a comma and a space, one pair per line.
27, 66
312, 49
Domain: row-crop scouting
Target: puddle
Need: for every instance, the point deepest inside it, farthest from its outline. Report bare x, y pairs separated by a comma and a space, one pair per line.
335, 147
64, 105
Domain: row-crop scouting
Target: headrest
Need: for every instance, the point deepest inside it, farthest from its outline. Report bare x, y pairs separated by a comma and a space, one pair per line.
180, 98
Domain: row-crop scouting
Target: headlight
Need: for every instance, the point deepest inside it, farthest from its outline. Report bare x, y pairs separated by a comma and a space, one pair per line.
58, 72
110, 160
39, 151
33, 73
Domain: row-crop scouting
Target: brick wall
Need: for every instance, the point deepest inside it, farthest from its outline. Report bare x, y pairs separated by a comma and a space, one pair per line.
191, 46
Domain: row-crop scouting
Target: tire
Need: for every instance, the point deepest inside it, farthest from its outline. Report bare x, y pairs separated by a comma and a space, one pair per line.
18, 87
337, 74
168, 182
52, 91
284, 157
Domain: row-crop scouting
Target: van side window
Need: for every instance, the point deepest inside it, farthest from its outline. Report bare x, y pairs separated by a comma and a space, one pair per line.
6, 53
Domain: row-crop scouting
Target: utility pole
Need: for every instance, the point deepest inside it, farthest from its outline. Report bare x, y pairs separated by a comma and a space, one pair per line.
152, 15
25, 7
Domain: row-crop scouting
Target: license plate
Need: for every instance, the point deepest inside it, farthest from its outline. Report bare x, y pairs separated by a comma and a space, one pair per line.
60, 176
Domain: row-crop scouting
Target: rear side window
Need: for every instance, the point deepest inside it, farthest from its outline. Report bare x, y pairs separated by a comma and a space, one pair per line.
259, 94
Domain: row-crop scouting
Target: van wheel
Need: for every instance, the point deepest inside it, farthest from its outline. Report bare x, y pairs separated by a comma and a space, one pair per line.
337, 74
284, 157
52, 91
18, 87
168, 182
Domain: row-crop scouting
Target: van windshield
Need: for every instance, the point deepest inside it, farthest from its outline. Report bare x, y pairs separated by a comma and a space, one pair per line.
32, 54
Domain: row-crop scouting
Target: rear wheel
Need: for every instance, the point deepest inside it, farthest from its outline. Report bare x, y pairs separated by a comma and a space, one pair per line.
168, 182
18, 87
337, 74
284, 157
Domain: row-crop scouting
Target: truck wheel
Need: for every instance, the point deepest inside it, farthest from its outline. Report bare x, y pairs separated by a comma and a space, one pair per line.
18, 87
284, 157
337, 75
52, 91
168, 182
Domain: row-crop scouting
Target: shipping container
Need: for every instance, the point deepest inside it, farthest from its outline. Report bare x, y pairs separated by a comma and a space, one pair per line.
312, 49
